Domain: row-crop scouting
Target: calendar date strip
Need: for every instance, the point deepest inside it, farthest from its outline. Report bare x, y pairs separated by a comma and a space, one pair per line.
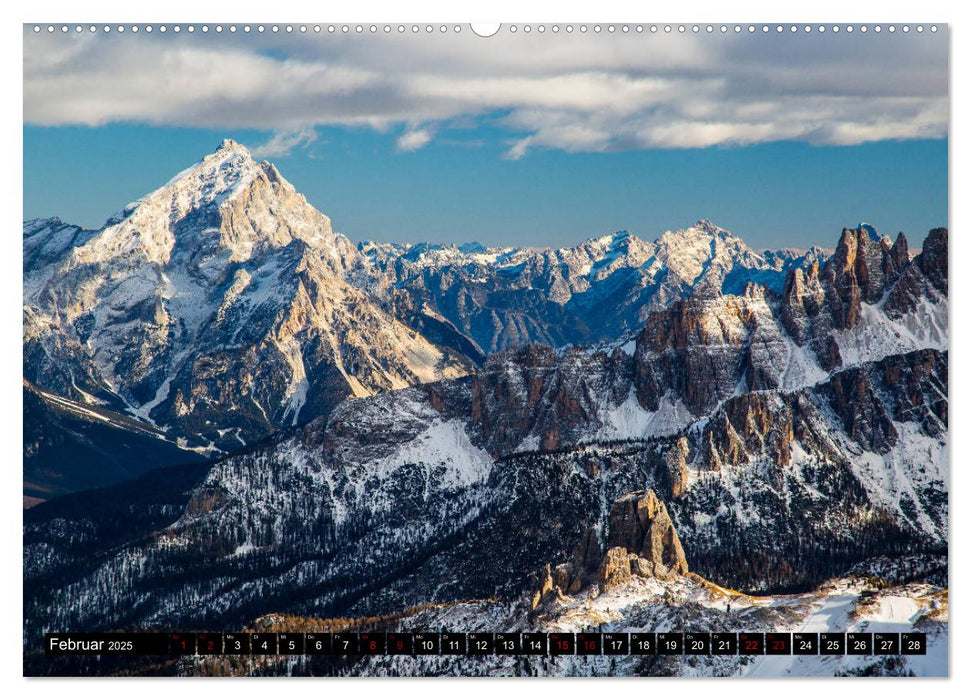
486, 643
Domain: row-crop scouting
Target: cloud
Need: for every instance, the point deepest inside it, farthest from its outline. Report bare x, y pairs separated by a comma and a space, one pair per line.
518, 149
283, 142
413, 139
571, 92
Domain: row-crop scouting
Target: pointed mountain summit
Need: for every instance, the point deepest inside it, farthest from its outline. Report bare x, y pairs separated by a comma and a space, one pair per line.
217, 305
227, 203
705, 251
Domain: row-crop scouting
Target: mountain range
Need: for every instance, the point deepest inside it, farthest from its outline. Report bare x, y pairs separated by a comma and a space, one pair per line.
222, 307
391, 426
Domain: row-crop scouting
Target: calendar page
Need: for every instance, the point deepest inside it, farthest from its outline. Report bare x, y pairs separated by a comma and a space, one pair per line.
537, 349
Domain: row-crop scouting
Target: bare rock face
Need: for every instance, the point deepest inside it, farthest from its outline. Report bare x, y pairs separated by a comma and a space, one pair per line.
544, 587
747, 425
900, 252
866, 274
851, 395
615, 569
579, 571
619, 566
803, 297
925, 278
933, 259
532, 391
699, 350
676, 461
692, 348
639, 522
862, 268
919, 384
642, 542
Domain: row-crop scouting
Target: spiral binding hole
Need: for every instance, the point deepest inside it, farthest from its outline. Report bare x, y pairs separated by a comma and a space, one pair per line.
511, 29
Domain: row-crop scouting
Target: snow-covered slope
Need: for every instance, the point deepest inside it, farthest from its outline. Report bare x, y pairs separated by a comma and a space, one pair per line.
71, 446
847, 604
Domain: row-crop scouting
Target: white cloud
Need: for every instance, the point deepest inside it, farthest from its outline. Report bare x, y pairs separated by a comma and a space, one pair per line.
413, 139
571, 92
518, 149
283, 142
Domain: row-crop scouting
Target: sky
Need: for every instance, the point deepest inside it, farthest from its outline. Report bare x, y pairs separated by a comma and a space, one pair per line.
540, 140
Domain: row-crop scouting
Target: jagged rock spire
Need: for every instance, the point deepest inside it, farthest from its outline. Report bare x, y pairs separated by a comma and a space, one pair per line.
641, 542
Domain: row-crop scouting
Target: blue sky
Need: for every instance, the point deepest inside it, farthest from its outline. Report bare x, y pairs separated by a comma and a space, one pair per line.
783, 140
778, 194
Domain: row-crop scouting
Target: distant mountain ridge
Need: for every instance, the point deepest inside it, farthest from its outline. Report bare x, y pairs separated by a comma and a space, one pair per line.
504, 297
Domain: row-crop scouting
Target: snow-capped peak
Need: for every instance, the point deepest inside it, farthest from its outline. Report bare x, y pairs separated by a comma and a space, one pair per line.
606, 242
703, 229
232, 146
692, 251
217, 176
703, 236
710, 227
227, 197
226, 260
